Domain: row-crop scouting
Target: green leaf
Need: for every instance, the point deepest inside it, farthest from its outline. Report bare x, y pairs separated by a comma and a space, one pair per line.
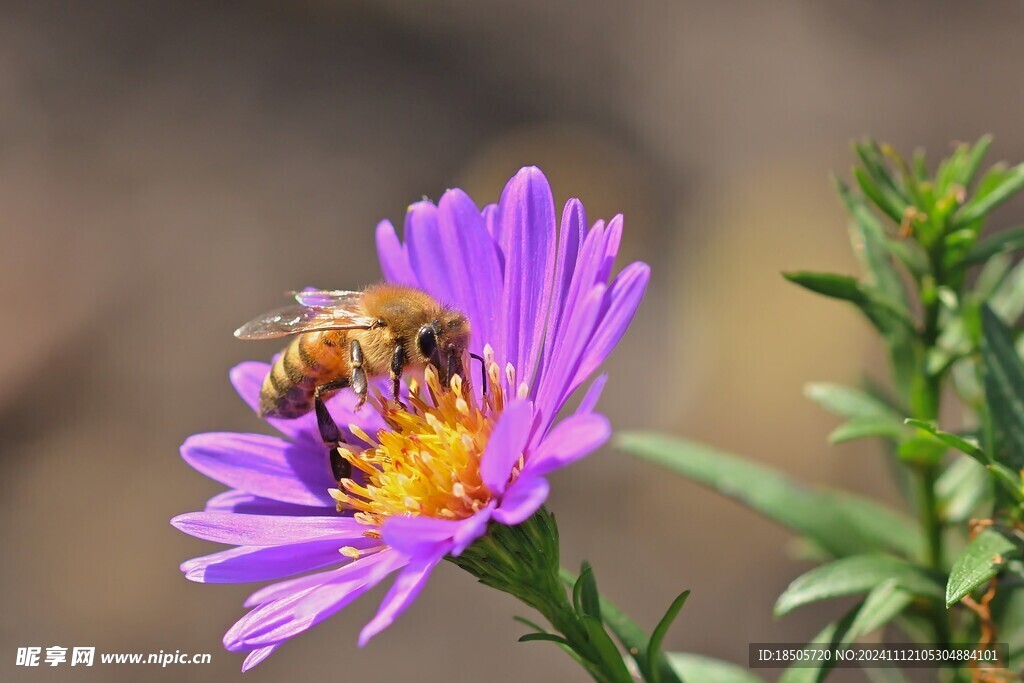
658, 635
584, 593
849, 402
1008, 300
870, 243
1004, 389
1005, 240
973, 160
839, 523
551, 637
879, 173
982, 560
529, 624
853, 575
708, 670
911, 255
630, 635
957, 442
1009, 480
888, 316
961, 489
979, 206
610, 656
883, 604
921, 450
991, 277
863, 427
834, 635
887, 202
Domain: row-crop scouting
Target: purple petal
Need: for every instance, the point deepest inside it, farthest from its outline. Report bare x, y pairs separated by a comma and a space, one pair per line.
612, 240
394, 260
624, 298
471, 264
248, 504
505, 445
593, 395
570, 238
407, 586
226, 527
568, 352
426, 537
256, 657
426, 251
281, 589
521, 500
276, 621
527, 214
266, 466
262, 563
490, 214
584, 279
570, 440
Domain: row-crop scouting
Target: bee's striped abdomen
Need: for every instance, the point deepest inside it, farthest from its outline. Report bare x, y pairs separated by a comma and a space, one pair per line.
308, 361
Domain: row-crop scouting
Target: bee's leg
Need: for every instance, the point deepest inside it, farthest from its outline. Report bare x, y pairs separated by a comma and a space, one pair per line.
329, 432
358, 376
397, 367
483, 371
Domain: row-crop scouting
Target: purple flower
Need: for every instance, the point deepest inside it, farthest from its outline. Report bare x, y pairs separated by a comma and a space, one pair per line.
441, 468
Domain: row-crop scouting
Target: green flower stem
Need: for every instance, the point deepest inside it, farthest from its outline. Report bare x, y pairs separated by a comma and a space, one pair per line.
523, 562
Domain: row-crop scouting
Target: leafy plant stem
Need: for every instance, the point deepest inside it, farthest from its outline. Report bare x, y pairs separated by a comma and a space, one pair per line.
523, 562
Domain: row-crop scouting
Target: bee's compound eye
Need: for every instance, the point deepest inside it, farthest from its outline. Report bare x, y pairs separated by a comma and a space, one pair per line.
427, 341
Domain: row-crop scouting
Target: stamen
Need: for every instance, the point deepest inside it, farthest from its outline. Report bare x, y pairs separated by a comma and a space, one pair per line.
426, 462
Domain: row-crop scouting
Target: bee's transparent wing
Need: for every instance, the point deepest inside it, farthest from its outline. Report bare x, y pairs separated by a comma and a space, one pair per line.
299, 318
328, 298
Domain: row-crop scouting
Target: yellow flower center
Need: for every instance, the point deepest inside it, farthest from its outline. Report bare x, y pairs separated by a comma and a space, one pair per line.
427, 462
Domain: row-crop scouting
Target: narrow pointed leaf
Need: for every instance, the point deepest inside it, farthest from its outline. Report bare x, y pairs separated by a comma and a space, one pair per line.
839, 523
962, 489
1006, 240
849, 402
585, 595
551, 637
973, 161
980, 206
864, 427
853, 575
708, 670
886, 315
882, 605
835, 634
1004, 389
630, 635
980, 561
870, 242
661, 630
957, 442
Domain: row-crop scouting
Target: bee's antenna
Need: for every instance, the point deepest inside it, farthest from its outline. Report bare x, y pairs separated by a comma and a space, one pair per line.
483, 371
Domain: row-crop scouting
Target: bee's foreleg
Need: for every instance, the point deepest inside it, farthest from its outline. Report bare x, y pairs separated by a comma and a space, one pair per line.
358, 374
329, 432
483, 371
397, 368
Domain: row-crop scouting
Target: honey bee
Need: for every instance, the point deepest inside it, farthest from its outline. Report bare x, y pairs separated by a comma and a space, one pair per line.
342, 339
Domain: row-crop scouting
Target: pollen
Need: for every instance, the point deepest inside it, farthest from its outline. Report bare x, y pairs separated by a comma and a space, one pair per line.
426, 462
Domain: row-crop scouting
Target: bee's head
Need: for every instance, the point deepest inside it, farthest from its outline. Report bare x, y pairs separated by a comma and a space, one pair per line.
443, 341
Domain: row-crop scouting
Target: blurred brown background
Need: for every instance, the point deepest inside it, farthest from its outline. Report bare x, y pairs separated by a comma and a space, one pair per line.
169, 169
